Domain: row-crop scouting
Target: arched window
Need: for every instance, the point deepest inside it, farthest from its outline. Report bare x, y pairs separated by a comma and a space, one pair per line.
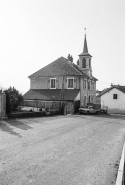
83, 63
89, 99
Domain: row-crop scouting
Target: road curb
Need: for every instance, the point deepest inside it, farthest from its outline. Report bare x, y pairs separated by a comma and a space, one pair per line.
121, 168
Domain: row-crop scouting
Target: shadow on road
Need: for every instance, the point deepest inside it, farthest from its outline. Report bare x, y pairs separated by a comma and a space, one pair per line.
105, 116
19, 124
110, 116
5, 128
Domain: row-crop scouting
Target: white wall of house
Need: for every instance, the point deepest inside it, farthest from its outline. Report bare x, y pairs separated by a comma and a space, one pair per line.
114, 105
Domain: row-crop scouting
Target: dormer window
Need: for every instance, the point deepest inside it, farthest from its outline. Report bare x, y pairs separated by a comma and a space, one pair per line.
53, 83
83, 63
70, 83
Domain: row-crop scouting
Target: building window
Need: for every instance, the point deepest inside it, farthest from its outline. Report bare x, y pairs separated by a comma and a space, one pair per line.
93, 85
84, 84
92, 99
83, 63
53, 83
70, 83
115, 96
89, 82
89, 99
84, 100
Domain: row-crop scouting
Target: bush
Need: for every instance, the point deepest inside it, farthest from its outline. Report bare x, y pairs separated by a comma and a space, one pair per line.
13, 99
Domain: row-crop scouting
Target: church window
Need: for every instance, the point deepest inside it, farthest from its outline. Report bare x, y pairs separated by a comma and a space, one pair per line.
93, 85
83, 63
89, 97
84, 84
89, 85
92, 98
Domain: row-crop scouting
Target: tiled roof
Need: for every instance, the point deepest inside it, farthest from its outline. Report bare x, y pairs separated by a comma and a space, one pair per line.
51, 94
119, 87
59, 67
83, 74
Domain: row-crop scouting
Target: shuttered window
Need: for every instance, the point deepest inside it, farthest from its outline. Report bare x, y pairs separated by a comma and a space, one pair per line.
53, 83
70, 82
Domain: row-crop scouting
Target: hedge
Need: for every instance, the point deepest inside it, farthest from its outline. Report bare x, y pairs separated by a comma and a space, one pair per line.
32, 114
26, 114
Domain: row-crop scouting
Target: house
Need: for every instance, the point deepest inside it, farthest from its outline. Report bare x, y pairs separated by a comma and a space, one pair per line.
63, 83
114, 98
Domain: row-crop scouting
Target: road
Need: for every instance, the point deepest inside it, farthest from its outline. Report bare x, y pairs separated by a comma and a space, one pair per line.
62, 150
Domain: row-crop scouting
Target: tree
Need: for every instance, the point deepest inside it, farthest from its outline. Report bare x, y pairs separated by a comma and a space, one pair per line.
13, 99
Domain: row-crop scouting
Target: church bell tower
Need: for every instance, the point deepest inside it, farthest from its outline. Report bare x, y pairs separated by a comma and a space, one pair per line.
84, 62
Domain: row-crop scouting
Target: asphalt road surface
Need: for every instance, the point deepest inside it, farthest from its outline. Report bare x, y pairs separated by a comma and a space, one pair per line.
63, 150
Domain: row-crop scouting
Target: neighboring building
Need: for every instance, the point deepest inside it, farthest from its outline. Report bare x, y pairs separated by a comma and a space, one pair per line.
62, 81
2, 105
114, 98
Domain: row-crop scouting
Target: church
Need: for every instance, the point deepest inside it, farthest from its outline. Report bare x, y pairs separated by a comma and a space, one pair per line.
63, 82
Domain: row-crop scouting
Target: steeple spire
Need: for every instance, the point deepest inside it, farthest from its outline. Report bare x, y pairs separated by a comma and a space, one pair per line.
85, 48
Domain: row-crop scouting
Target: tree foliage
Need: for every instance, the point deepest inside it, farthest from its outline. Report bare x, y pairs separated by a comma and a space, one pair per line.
13, 99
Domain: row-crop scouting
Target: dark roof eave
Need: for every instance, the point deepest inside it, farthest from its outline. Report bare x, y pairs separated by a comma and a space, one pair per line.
55, 75
85, 54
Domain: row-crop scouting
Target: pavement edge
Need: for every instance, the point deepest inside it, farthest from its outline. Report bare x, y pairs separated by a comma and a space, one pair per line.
119, 179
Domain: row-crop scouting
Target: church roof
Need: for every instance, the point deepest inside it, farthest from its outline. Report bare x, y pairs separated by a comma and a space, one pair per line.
60, 67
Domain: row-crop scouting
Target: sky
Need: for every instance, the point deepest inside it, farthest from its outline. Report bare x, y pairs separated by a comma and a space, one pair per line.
34, 33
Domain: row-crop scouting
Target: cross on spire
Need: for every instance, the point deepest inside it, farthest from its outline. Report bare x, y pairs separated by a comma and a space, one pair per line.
85, 31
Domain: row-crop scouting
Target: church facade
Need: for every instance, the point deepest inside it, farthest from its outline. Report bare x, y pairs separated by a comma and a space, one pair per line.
63, 81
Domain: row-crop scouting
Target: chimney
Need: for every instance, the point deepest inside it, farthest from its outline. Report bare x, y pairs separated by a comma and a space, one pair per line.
111, 84
70, 58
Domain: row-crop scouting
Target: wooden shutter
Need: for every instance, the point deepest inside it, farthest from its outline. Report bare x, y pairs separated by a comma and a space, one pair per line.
48, 83
57, 83
75, 83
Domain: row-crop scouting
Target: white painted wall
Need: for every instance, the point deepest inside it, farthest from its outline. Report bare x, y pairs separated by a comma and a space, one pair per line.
114, 105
